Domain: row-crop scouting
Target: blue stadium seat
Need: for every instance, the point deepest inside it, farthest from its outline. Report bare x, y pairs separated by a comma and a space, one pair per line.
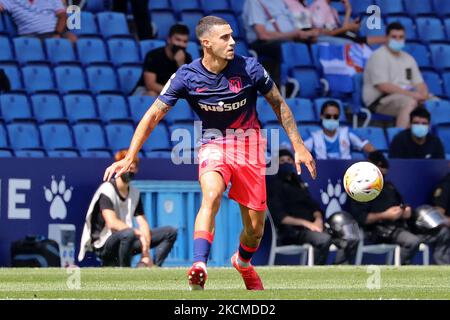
59, 50
37, 78
443, 133
407, 22
101, 78
13, 73
28, 50
318, 105
30, 153
233, 22
91, 50
6, 54
123, 51
418, 7
112, 107
430, 29
302, 109
441, 7
216, 5
149, 45
193, 49
375, 135
434, 82
190, 19
139, 105
23, 135
366, 32
294, 55
446, 81
391, 132
112, 24
6, 153
440, 55
390, 6
128, 77
356, 155
70, 78
79, 107
309, 82
156, 154
180, 112
89, 135
159, 139
306, 130
163, 20
87, 24
420, 53
339, 6
14, 106
56, 136
180, 129
62, 154
360, 6
119, 135
159, 4
2, 25
447, 27
440, 111
96, 154
241, 49
47, 107
179, 6
3, 137
10, 26
98, 5
265, 112
283, 137
237, 6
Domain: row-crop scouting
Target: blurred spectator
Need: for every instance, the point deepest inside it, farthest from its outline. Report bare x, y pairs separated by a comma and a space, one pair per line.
393, 84
417, 142
108, 229
161, 63
441, 198
5, 85
334, 141
39, 18
268, 23
141, 16
385, 220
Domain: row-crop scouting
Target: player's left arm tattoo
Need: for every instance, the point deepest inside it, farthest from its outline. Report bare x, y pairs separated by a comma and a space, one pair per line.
284, 115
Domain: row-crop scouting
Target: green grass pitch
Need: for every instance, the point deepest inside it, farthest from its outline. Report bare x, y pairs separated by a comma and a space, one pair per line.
346, 282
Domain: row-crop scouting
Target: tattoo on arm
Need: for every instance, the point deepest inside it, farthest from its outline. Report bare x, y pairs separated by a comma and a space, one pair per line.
162, 106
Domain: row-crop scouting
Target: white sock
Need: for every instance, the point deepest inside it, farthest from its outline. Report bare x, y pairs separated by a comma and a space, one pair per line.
241, 263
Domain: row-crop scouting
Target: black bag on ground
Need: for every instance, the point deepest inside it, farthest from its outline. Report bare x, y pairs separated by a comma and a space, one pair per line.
35, 251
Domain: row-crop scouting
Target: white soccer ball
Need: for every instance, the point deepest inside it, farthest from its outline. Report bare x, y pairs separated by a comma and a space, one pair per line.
363, 181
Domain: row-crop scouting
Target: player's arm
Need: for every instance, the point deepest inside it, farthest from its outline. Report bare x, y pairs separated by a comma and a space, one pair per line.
285, 117
112, 222
148, 122
145, 234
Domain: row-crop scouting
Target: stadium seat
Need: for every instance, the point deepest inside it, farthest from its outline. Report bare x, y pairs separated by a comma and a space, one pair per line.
375, 135
89, 135
159, 4
443, 133
159, 139
440, 55
318, 105
232, 21
47, 107
430, 29
6, 153
6, 54
9, 24
391, 132
3, 137
112, 24
123, 51
216, 5
98, 5
390, 6
112, 107
309, 82
241, 49
283, 140
59, 50
265, 112
23, 135
441, 7
148, 45
440, 111
420, 53
37, 78
163, 20
128, 78
446, 81
13, 73
359, 7
79, 107
91, 50
366, 32
407, 22
119, 135
28, 50
190, 19
294, 55
447, 27
179, 6
14, 106
156, 154
193, 49
306, 130
434, 82
139, 105
62, 154
88, 25
56, 136
30, 153
101, 78
392, 251
181, 112
96, 154
302, 109
179, 129
356, 155
70, 78
237, 6
418, 7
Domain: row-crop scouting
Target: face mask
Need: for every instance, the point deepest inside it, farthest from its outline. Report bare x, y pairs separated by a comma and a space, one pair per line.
127, 176
286, 169
396, 45
330, 124
175, 48
419, 130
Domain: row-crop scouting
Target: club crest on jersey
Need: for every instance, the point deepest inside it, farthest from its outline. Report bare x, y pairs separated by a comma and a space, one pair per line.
235, 84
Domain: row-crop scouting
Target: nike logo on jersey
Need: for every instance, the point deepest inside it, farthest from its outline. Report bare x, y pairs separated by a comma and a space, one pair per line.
200, 90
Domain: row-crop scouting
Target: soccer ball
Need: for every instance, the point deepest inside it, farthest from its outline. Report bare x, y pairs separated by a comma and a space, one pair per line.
363, 181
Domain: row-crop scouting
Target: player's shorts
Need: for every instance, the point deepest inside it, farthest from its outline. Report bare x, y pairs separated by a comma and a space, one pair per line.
240, 161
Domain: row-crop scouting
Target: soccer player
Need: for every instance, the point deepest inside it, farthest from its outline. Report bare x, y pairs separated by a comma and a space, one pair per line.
222, 89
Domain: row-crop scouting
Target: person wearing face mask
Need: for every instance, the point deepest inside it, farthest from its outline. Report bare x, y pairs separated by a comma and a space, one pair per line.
161, 63
393, 84
417, 142
109, 231
334, 141
387, 219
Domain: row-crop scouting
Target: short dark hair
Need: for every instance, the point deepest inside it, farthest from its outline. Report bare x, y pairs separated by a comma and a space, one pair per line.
205, 24
178, 29
285, 152
394, 26
377, 158
421, 112
329, 103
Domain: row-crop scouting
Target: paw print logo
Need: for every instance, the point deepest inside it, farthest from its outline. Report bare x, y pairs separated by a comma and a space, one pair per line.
58, 195
333, 198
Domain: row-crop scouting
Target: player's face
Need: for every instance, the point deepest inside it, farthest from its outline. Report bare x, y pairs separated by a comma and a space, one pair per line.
221, 42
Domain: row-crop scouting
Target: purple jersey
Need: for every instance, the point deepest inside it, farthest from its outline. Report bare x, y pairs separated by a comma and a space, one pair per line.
222, 101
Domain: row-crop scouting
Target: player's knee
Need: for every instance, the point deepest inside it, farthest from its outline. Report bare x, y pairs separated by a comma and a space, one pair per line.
172, 234
212, 199
255, 232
